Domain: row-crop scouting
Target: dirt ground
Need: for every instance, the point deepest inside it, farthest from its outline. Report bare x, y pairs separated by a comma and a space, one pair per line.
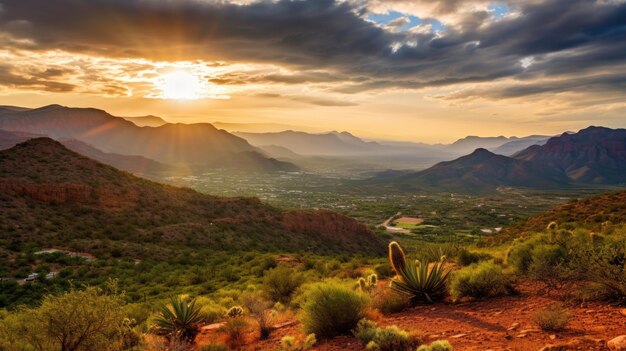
504, 323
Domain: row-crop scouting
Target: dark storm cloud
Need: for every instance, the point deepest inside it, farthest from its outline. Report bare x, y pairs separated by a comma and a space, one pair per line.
566, 38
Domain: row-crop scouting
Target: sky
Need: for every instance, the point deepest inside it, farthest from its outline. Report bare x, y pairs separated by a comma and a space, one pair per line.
417, 70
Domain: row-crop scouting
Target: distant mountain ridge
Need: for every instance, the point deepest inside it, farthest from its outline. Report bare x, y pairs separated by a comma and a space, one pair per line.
147, 121
176, 144
594, 155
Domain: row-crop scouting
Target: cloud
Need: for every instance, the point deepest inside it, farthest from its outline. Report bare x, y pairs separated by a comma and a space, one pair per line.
332, 42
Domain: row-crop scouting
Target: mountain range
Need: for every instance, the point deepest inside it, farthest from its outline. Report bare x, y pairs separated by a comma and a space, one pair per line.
595, 155
93, 204
183, 145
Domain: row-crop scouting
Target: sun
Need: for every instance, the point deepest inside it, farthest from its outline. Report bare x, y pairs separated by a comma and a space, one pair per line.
180, 85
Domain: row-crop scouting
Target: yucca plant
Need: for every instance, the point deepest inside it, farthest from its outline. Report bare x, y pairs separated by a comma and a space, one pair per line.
180, 319
418, 280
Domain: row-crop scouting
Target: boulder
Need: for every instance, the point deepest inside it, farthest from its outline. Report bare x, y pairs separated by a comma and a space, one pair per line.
617, 344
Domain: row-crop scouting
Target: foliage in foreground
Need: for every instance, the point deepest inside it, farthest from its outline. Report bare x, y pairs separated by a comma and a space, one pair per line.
289, 343
77, 320
331, 309
384, 339
419, 280
439, 345
179, 320
485, 279
553, 318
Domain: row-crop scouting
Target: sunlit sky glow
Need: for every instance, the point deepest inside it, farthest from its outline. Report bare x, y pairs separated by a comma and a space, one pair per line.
417, 70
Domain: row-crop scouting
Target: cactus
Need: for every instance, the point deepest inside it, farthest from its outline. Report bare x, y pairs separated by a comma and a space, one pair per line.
372, 280
363, 284
235, 311
397, 257
418, 280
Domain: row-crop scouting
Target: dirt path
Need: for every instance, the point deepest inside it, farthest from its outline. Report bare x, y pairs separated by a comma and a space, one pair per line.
393, 229
496, 324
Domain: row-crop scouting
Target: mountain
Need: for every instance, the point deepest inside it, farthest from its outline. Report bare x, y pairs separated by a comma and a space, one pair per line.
511, 147
256, 127
500, 145
470, 143
594, 155
189, 145
133, 164
278, 152
10, 139
483, 170
147, 121
51, 196
327, 144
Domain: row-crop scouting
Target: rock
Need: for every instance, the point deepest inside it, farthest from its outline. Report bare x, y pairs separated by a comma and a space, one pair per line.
458, 336
552, 336
521, 335
623, 312
513, 326
617, 344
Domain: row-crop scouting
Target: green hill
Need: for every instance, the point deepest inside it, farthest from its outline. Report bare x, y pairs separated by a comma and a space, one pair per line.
156, 239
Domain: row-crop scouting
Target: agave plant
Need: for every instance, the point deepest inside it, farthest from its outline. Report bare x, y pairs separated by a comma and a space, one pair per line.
180, 319
419, 280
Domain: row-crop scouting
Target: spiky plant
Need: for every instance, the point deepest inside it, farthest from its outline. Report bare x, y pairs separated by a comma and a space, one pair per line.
397, 258
180, 319
235, 311
419, 280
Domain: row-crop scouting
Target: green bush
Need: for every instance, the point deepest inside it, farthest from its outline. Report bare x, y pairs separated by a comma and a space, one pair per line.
388, 301
553, 318
465, 257
215, 347
331, 309
484, 279
384, 339
550, 265
289, 343
439, 345
281, 283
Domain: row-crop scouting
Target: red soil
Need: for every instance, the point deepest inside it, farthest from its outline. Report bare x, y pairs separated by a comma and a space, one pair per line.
480, 325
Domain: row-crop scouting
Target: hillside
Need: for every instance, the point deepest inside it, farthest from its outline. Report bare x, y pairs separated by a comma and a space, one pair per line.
197, 145
147, 121
589, 212
51, 196
594, 155
483, 171
511, 147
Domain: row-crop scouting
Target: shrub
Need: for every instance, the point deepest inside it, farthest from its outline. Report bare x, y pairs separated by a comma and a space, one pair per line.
178, 320
289, 343
466, 257
331, 309
439, 345
211, 313
420, 281
215, 347
550, 266
384, 339
520, 257
388, 301
281, 283
484, 279
66, 322
235, 328
553, 318
260, 310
